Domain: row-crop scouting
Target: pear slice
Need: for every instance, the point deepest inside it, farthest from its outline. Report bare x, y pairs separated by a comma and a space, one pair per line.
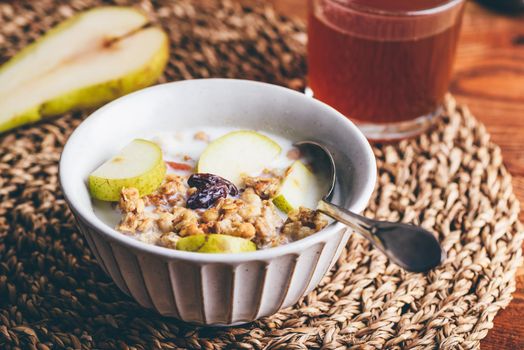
238, 153
300, 188
139, 164
215, 243
87, 60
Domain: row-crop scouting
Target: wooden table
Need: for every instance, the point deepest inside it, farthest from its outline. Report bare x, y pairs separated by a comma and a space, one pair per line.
489, 78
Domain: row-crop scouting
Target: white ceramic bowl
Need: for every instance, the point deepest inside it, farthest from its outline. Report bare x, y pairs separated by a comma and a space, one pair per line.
215, 289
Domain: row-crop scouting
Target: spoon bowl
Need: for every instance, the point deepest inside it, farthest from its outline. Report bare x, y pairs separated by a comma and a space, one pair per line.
410, 247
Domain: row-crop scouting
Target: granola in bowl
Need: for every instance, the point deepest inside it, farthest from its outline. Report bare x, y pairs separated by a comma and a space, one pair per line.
216, 191
210, 289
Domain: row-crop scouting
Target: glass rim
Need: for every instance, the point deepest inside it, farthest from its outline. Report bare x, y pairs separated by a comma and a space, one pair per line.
370, 10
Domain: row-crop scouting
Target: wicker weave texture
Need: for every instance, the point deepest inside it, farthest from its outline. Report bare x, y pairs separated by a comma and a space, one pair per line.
450, 180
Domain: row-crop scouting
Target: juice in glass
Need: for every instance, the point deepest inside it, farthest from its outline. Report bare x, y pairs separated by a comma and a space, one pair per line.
385, 64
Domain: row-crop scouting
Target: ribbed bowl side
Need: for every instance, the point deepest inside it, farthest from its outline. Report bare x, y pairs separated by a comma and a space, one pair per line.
214, 293
329, 257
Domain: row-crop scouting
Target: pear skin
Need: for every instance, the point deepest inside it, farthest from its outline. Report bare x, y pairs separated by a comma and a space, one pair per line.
215, 243
140, 165
83, 76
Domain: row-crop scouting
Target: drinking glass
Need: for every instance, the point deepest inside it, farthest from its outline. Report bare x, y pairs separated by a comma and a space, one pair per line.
385, 64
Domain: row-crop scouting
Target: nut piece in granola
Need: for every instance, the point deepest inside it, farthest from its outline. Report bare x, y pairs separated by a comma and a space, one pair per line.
130, 201
303, 222
265, 187
172, 192
169, 240
132, 206
247, 217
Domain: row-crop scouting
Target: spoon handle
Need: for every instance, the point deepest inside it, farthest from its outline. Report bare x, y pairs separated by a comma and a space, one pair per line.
411, 247
358, 223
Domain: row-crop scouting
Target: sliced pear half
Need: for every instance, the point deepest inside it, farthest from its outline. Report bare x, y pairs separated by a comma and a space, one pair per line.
215, 243
85, 61
238, 153
139, 164
300, 188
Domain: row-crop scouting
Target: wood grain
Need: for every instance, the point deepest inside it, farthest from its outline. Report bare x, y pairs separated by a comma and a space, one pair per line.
489, 78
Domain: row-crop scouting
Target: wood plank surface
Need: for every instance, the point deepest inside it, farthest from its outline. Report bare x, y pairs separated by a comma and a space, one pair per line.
489, 78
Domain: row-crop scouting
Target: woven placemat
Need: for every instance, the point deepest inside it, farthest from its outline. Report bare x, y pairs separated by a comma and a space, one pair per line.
451, 180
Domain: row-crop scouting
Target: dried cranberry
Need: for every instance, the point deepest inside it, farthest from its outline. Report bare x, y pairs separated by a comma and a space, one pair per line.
203, 180
179, 166
206, 197
209, 189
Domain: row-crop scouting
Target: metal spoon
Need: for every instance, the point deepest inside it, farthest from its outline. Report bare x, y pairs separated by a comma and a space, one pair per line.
412, 248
